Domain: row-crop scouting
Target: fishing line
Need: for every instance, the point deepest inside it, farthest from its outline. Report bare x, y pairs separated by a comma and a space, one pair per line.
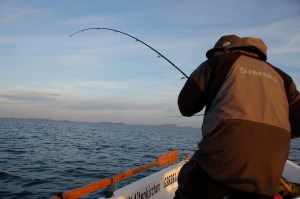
138, 40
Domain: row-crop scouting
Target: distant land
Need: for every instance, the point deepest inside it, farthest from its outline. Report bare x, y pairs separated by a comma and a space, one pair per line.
107, 123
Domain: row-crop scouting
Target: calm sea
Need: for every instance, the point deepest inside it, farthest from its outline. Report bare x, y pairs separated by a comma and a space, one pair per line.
39, 158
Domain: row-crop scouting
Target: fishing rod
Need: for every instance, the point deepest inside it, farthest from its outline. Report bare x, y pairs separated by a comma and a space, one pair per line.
136, 39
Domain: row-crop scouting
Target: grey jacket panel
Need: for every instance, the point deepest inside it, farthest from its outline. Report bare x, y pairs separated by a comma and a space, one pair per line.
252, 91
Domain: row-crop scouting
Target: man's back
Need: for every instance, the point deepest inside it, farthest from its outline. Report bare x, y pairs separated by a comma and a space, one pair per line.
246, 127
251, 111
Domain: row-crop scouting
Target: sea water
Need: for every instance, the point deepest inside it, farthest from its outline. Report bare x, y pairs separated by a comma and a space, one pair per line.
40, 158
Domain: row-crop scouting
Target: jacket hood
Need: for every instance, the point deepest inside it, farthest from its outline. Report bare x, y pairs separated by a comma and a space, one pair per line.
224, 42
254, 45
234, 42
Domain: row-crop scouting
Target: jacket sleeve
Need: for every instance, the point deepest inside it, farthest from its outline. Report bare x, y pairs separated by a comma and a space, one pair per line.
294, 108
293, 98
192, 97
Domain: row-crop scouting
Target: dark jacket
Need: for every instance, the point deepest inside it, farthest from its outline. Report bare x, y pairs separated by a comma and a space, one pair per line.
251, 110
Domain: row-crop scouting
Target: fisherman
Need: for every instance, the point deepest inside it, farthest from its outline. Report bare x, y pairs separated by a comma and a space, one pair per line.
252, 109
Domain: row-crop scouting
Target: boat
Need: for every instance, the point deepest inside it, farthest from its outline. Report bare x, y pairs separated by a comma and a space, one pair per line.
163, 184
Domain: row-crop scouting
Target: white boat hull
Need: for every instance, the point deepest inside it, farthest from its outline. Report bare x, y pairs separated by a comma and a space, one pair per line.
163, 184
291, 172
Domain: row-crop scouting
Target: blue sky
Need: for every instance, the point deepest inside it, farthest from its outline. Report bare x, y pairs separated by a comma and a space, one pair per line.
100, 75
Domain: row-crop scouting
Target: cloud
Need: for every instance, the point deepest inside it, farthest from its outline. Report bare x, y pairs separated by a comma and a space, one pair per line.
291, 46
13, 11
56, 104
281, 34
118, 105
90, 20
68, 100
29, 96
102, 84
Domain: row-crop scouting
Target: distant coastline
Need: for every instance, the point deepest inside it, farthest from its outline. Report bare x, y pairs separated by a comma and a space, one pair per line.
105, 123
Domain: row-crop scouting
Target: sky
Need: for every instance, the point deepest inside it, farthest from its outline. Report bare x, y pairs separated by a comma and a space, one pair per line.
103, 76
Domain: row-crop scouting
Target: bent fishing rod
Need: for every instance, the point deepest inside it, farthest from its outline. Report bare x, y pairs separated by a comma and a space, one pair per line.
136, 39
